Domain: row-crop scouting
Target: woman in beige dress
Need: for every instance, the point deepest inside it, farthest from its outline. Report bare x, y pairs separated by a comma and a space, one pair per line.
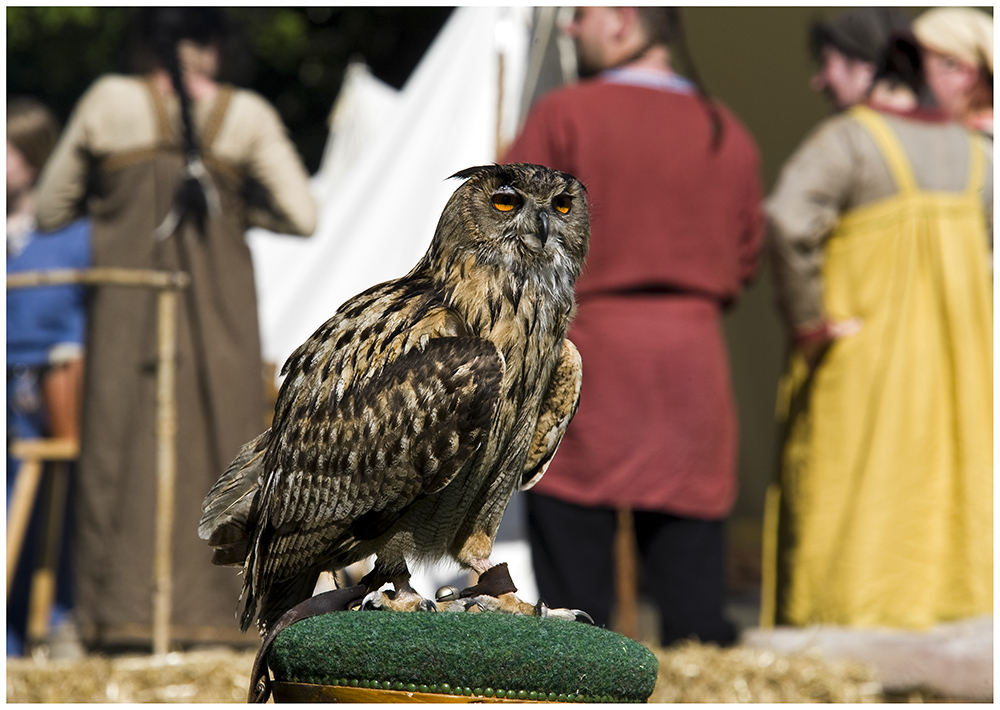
172, 167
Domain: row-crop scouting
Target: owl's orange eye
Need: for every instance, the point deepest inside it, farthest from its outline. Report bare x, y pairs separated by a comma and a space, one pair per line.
562, 203
506, 200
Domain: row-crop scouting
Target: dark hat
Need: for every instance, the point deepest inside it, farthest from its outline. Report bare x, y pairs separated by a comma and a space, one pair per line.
863, 33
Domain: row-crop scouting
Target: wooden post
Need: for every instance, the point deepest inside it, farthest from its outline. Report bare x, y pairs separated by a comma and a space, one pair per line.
166, 435
46, 573
22, 500
31, 453
99, 277
498, 141
626, 571
167, 283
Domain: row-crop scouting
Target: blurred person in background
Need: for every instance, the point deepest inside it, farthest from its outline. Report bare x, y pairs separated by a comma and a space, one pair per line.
883, 512
172, 167
848, 49
957, 44
45, 341
673, 180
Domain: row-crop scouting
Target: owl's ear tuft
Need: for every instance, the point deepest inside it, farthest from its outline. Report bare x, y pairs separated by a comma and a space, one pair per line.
469, 172
573, 178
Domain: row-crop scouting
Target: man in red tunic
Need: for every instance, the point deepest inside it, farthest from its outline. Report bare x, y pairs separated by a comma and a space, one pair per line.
673, 181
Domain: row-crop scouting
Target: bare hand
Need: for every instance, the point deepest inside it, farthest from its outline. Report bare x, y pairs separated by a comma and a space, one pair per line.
813, 350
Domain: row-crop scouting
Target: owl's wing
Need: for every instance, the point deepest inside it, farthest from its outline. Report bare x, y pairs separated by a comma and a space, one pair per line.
346, 469
227, 508
562, 398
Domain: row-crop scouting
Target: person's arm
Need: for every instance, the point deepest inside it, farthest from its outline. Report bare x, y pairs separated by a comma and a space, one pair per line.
802, 211
274, 165
63, 181
751, 238
62, 381
62, 388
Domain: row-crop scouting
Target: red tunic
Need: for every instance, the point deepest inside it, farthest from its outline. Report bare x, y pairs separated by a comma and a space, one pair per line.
676, 232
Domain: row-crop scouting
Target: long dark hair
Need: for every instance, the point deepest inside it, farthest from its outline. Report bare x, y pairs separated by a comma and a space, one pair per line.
161, 30
663, 26
158, 31
902, 65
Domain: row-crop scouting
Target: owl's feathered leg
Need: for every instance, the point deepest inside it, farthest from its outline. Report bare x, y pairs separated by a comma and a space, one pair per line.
405, 598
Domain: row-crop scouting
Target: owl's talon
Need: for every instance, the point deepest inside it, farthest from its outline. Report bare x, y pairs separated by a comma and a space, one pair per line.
461, 605
426, 605
568, 615
542, 609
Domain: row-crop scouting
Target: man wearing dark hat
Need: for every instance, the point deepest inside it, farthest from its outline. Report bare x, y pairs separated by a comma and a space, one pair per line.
849, 48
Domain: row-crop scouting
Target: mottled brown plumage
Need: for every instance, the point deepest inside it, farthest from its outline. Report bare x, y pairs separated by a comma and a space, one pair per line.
406, 422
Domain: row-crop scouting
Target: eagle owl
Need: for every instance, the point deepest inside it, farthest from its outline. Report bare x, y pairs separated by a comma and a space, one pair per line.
406, 422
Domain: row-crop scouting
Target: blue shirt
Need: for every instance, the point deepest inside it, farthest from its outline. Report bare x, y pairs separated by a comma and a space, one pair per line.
41, 317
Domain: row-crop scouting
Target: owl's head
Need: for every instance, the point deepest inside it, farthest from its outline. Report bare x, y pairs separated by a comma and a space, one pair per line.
526, 218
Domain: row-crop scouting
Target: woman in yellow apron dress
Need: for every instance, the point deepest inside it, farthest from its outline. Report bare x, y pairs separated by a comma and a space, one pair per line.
883, 514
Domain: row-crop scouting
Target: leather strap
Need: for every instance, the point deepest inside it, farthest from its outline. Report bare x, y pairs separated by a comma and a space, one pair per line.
336, 600
493, 582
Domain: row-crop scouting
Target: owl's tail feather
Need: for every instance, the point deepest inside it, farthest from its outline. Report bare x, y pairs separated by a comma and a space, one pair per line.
276, 599
226, 509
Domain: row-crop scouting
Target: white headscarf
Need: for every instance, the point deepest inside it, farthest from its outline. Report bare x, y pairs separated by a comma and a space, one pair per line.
960, 32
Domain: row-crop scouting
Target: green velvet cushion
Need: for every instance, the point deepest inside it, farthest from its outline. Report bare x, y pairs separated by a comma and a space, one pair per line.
487, 654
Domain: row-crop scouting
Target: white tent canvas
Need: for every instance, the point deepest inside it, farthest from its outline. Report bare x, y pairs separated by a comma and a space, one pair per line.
383, 180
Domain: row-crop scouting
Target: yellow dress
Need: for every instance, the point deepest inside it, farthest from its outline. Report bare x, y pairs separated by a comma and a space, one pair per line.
883, 514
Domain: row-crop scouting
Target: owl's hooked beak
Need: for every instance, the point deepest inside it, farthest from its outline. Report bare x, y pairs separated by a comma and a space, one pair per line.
543, 227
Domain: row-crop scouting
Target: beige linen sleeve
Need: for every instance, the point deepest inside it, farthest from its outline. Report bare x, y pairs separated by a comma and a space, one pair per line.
811, 192
253, 136
63, 181
113, 116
